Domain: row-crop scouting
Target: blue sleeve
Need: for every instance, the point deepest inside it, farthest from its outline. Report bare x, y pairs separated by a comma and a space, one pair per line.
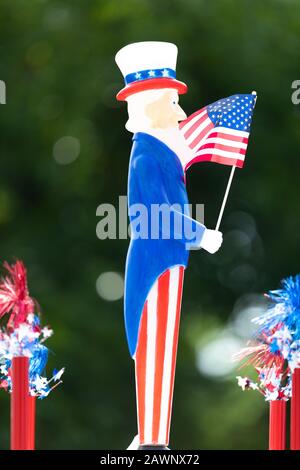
152, 193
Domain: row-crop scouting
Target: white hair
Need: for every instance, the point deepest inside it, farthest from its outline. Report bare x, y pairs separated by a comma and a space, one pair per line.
138, 120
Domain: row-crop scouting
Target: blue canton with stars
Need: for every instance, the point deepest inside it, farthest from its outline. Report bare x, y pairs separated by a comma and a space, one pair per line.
150, 73
234, 112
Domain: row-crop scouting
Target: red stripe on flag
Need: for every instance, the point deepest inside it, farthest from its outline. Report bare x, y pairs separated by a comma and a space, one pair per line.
161, 329
195, 126
201, 136
226, 148
216, 159
140, 371
175, 344
235, 138
227, 161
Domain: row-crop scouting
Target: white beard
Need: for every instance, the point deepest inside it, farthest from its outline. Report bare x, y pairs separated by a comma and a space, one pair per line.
174, 139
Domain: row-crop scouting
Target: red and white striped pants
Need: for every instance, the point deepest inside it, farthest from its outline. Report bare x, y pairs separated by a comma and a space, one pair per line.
155, 358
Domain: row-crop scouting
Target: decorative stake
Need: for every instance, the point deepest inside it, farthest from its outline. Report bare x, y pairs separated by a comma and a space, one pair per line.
295, 411
31, 426
23, 356
279, 349
159, 251
20, 407
277, 425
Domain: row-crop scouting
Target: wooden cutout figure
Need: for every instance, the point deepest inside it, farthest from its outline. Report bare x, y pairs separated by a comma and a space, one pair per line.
162, 230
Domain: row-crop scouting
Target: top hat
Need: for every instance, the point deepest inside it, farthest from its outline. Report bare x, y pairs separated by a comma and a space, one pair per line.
148, 65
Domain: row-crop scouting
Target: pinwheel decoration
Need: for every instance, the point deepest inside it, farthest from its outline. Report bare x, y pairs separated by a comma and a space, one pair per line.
23, 356
275, 353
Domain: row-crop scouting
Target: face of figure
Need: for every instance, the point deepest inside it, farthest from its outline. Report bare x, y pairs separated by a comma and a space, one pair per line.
165, 112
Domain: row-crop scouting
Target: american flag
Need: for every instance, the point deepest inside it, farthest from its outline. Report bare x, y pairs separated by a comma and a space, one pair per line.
219, 132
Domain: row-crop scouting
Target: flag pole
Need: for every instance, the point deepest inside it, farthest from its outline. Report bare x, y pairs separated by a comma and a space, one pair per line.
225, 198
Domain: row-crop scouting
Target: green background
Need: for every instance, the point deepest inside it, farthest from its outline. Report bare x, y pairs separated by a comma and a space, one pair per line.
57, 60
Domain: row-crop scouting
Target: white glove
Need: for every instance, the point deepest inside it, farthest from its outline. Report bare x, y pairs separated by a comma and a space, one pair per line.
211, 240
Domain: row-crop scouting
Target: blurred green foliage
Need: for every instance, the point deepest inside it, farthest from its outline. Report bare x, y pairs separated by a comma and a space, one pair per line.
57, 59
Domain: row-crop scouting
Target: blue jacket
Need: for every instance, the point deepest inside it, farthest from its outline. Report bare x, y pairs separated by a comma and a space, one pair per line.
155, 177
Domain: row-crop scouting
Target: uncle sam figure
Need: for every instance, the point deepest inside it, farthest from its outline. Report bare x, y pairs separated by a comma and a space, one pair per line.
159, 251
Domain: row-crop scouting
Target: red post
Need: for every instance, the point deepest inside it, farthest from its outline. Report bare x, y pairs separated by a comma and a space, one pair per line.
277, 433
19, 404
31, 424
295, 411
